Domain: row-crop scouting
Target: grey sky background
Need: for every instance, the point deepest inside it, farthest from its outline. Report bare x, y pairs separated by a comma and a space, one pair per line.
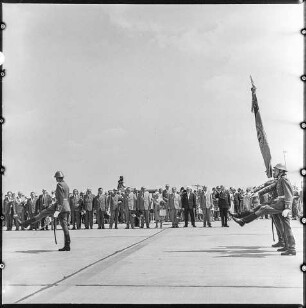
159, 94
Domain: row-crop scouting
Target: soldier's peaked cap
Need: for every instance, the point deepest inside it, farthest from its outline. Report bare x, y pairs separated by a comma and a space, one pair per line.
280, 167
59, 174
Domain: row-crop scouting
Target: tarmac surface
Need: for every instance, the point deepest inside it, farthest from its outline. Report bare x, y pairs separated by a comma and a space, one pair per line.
234, 265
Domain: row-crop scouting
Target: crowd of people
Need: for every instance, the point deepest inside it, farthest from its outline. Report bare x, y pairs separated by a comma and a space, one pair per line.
139, 207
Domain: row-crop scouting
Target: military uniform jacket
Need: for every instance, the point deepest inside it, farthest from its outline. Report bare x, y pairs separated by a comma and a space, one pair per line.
62, 197
281, 188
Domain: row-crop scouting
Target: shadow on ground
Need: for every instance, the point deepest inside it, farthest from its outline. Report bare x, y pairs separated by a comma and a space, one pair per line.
235, 251
34, 251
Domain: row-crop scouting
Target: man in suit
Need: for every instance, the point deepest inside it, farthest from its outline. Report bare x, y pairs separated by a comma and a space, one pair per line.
224, 204
130, 202
206, 204
9, 210
32, 209
43, 202
100, 203
144, 205
19, 209
189, 204
60, 209
115, 200
75, 210
88, 206
174, 205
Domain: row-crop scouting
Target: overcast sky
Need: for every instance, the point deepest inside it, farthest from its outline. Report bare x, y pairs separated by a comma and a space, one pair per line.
159, 94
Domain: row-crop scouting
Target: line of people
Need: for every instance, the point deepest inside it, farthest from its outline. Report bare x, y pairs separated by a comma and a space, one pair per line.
140, 207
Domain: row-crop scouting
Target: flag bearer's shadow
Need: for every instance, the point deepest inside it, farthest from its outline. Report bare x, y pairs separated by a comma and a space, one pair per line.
236, 251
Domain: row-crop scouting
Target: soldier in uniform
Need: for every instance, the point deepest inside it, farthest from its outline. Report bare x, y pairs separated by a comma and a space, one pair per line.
280, 205
60, 209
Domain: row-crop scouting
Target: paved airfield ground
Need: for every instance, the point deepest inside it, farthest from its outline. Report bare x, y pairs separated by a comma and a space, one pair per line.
185, 265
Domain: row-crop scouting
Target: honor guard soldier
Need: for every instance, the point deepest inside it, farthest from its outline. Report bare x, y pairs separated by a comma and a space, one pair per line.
280, 205
60, 209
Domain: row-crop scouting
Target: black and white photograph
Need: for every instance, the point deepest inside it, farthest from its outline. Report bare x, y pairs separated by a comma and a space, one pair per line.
152, 153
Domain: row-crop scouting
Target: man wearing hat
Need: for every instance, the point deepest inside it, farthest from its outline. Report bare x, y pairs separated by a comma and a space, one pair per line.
60, 209
281, 204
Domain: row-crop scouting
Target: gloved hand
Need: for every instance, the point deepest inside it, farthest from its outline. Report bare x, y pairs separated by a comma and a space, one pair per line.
55, 214
285, 212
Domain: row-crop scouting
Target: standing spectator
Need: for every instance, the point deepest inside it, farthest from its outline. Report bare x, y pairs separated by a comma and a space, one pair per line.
146, 207
295, 202
114, 208
43, 202
9, 210
32, 210
88, 206
174, 205
240, 199
75, 208
100, 202
166, 193
215, 191
19, 209
130, 207
237, 209
189, 203
206, 204
224, 205
247, 200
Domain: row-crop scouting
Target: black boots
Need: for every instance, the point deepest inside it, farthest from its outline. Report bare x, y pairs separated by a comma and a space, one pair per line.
26, 223
278, 244
67, 243
245, 220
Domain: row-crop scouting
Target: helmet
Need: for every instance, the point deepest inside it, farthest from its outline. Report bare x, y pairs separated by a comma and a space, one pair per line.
59, 174
280, 167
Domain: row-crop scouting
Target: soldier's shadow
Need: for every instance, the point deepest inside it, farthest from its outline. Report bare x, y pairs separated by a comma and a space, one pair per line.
34, 251
236, 252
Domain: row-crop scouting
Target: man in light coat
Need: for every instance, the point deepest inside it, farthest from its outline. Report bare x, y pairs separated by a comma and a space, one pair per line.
206, 204
174, 205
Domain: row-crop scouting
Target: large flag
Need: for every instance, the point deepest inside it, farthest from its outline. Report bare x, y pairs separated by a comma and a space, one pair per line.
261, 135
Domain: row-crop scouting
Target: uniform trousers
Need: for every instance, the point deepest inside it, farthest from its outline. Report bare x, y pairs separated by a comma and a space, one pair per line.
285, 228
62, 217
173, 217
88, 219
100, 218
191, 213
145, 217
